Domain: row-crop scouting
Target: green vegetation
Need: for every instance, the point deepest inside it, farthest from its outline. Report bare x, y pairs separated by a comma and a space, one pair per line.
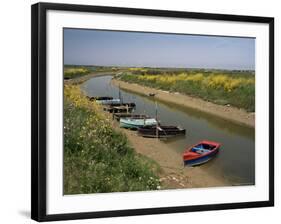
97, 158
236, 89
74, 72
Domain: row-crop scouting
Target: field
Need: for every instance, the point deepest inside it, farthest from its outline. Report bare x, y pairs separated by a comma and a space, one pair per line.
221, 87
98, 158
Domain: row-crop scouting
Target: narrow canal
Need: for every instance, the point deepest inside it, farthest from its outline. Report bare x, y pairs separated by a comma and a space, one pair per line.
236, 159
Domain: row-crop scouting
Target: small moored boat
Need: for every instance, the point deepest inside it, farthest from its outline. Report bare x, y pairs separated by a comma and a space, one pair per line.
161, 131
119, 109
117, 116
92, 98
133, 123
107, 102
121, 104
200, 153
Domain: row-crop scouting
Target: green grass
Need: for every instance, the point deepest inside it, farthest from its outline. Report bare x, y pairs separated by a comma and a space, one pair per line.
97, 158
235, 89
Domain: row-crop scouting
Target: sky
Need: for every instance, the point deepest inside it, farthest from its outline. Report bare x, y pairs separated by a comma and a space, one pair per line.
138, 49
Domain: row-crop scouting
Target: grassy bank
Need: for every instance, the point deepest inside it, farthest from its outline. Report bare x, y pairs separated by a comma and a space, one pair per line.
237, 90
97, 158
74, 72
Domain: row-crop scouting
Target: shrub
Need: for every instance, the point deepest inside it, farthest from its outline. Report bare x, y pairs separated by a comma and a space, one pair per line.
234, 89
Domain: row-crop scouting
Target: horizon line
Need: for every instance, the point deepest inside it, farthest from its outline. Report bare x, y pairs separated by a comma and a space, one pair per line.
236, 69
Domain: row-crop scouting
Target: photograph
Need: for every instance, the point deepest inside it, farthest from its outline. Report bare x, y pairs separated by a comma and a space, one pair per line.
152, 111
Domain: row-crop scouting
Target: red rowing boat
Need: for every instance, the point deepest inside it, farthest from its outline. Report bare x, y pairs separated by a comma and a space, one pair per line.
200, 153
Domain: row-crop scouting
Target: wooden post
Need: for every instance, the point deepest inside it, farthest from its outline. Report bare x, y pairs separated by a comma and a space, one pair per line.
156, 117
120, 97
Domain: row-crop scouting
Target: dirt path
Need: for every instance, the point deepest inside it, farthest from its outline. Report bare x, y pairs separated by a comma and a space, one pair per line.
225, 112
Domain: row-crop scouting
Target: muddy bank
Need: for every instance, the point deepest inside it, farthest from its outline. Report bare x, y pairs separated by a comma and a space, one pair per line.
233, 114
173, 174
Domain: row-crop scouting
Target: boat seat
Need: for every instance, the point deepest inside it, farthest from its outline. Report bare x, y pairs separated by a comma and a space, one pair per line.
195, 149
200, 150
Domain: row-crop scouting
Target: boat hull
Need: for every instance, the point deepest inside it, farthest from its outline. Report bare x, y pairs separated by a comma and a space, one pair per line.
121, 104
118, 116
92, 98
119, 109
163, 132
108, 102
200, 153
200, 160
136, 123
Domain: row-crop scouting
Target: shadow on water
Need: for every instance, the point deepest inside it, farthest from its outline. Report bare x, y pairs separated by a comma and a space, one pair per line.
173, 139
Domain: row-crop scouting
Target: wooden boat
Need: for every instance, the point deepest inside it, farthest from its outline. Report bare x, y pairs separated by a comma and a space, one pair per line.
133, 123
119, 109
121, 104
92, 98
107, 102
161, 131
200, 153
117, 116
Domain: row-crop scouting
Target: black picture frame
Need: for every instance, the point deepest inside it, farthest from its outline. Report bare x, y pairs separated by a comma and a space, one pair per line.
39, 107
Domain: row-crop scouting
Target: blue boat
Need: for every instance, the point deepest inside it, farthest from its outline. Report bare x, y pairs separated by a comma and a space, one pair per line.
134, 123
200, 153
107, 102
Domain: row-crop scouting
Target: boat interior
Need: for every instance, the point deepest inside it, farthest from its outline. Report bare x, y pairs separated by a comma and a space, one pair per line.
202, 148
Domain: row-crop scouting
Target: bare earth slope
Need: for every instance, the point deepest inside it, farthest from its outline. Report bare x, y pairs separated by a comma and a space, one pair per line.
225, 112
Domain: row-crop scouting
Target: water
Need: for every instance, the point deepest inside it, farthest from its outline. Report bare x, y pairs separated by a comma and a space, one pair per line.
236, 159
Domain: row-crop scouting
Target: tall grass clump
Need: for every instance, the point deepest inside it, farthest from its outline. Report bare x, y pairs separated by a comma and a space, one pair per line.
97, 158
235, 89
